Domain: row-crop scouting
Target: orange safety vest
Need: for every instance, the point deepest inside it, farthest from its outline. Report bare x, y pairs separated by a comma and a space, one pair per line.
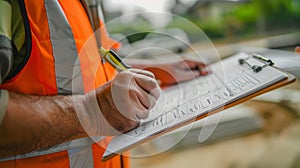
56, 32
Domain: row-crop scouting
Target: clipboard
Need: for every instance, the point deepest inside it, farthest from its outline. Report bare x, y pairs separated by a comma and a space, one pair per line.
125, 142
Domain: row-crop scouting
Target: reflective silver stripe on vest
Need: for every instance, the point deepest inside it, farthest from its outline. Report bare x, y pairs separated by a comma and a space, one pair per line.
64, 50
71, 147
81, 156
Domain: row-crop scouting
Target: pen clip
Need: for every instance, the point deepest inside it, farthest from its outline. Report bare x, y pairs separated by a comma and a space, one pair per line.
115, 55
111, 58
111, 62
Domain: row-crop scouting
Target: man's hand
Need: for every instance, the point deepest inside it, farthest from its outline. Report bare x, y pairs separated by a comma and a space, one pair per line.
172, 71
128, 98
179, 71
297, 49
123, 102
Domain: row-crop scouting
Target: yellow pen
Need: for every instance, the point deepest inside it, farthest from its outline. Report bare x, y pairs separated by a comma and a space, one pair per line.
112, 58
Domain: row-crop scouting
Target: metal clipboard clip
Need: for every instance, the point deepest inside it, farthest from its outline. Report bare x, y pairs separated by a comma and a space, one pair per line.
256, 68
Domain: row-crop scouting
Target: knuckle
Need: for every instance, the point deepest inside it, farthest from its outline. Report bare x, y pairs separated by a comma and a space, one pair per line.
145, 114
125, 75
153, 102
133, 92
152, 83
156, 93
151, 74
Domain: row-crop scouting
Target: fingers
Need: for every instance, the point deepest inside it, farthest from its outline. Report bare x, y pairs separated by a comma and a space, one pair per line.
141, 103
297, 49
146, 92
138, 109
143, 72
148, 84
203, 68
195, 66
188, 75
147, 100
184, 70
135, 93
125, 100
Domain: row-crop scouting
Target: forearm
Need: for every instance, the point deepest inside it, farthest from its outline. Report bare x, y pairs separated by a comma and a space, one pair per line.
36, 122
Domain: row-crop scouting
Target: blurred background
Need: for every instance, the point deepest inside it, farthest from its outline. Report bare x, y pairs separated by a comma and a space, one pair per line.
263, 132
221, 20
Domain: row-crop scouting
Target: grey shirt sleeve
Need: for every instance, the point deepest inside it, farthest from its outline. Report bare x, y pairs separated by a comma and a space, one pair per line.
6, 62
6, 57
6, 50
6, 47
3, 103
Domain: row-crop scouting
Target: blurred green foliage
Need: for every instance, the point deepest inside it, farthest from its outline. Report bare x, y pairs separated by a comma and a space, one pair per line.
279, 13
255, 18
235, 21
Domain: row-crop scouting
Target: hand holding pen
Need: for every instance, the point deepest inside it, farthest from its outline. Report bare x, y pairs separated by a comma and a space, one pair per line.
124, 100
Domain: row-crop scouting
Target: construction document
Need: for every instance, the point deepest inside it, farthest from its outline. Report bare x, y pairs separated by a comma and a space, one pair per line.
187, 102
